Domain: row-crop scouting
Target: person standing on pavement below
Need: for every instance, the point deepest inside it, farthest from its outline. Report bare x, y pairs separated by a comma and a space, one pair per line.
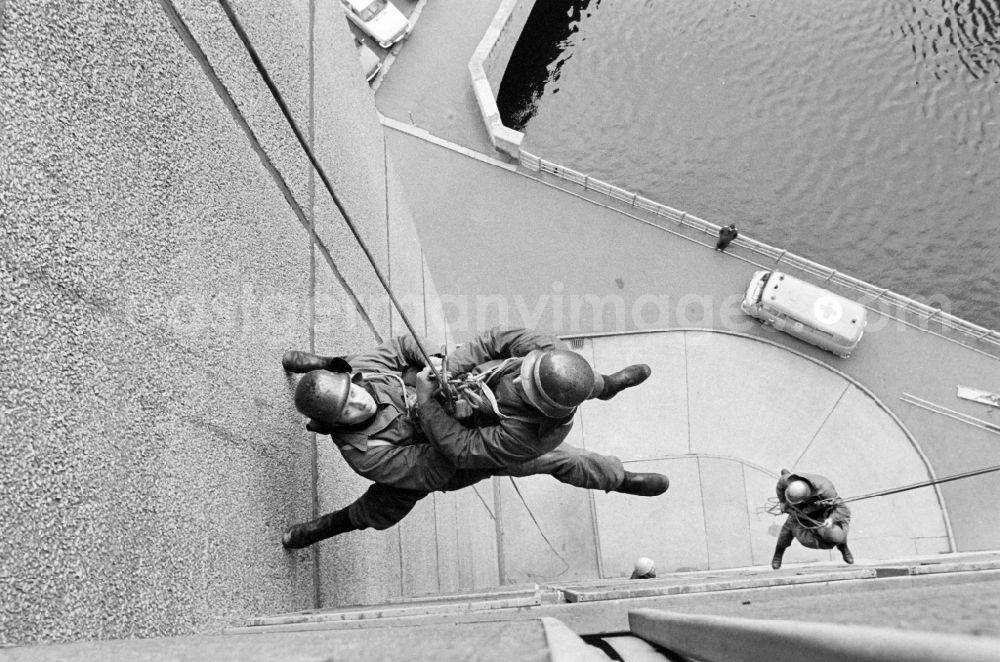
726, 235
817, 517
378, 418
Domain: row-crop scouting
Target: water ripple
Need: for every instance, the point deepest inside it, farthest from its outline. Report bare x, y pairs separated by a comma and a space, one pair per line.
863, 135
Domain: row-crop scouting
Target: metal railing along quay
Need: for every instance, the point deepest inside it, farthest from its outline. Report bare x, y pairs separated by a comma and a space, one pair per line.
486, 67
879, 299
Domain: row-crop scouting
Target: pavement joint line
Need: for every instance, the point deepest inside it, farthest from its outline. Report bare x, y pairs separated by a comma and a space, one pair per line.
425, 135
822, 424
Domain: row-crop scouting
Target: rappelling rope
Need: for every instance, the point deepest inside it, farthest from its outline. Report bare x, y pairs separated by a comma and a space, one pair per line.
773, 505
262, 70
474, 382
539, 527
926, 483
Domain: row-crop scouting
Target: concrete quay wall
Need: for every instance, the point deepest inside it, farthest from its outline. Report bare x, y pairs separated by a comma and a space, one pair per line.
488, 65
156, 258
504, 33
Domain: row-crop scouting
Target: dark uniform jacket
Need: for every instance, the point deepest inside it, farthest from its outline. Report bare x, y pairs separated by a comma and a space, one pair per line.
522, 432
381, 372
812, 511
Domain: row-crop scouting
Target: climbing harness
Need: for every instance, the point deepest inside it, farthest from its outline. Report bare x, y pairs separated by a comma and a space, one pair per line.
472, 394
475, 387
774, 507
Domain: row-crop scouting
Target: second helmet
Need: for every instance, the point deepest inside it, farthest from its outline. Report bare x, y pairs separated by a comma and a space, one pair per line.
556, 381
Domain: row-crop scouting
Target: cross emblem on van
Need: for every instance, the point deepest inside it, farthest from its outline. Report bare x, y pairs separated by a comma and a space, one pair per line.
828, 310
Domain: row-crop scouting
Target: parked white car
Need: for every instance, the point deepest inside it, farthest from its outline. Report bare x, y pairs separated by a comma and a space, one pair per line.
379, 19
370, 64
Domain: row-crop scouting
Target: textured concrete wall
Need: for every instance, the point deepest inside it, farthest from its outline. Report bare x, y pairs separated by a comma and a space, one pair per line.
155, 260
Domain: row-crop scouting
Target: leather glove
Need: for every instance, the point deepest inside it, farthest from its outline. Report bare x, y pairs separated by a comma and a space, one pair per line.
318, 427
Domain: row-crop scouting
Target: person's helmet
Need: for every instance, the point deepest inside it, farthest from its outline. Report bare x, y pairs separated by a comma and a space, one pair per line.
644, 568
798, 491
556, 381
322, 395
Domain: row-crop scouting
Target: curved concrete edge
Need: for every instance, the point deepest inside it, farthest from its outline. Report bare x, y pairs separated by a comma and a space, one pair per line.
492, 53
727, 638
946, 521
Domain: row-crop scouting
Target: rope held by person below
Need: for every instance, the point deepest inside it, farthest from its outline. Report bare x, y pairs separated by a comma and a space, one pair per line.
773, 506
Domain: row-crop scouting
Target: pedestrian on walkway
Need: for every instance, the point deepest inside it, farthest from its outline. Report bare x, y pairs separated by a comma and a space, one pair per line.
817, 517
392, 428
726, 235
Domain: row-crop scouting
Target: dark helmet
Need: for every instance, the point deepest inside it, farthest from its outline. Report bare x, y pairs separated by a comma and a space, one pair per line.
798, 491
556, 381
322, 395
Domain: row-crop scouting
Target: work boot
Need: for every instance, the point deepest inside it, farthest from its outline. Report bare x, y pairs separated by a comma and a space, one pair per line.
295, 361
776, 559
321, 528
643, 484
846, 553
625, 378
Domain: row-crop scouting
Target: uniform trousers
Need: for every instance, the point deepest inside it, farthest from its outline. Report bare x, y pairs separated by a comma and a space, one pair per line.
808, 537
389, 500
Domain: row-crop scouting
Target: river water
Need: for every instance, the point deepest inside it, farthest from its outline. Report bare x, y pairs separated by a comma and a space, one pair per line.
861, 134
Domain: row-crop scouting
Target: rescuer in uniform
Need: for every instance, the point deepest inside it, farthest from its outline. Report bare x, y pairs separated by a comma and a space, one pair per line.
518, 394
817, 517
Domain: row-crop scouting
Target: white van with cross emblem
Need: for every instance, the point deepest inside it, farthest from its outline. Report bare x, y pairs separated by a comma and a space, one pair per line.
806, 311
